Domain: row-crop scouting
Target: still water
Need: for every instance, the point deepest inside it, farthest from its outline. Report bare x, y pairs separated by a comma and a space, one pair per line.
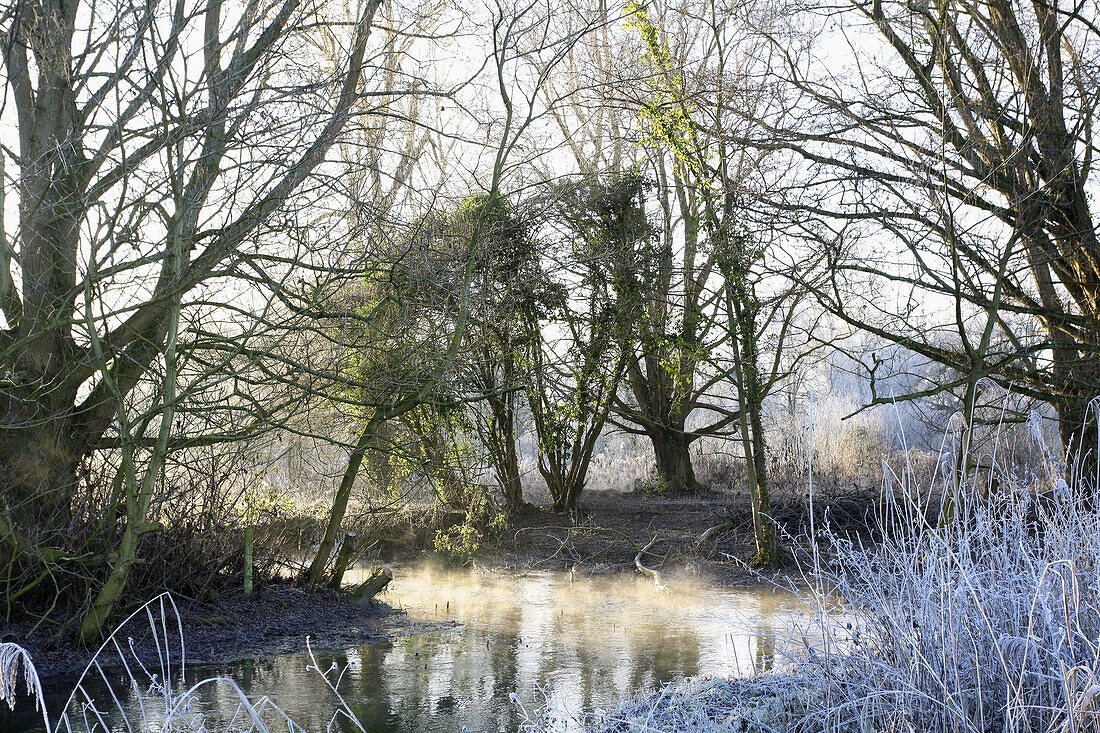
571, 642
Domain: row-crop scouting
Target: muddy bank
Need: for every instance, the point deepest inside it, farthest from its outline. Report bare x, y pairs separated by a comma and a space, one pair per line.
708, 532
275, 619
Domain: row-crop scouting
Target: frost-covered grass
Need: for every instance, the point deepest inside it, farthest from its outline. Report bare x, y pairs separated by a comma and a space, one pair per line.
772, 703
987, 622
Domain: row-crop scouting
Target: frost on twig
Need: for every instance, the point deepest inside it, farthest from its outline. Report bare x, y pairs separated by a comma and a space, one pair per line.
14, 658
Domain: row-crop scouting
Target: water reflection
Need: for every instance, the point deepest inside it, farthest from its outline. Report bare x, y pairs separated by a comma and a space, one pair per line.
579, 643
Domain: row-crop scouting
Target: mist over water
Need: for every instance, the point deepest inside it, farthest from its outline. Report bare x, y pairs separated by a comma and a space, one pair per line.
572, 642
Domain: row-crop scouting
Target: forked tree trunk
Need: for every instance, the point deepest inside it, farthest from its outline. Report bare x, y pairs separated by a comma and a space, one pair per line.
565, 496
565, 483
662, 408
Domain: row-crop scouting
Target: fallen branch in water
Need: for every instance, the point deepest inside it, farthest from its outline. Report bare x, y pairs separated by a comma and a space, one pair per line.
373, 585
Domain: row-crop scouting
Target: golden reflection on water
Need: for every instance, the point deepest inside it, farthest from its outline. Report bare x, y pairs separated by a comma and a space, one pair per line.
573, 642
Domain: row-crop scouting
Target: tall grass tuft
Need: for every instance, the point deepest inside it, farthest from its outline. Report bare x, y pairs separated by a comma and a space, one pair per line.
988, 620
15, 660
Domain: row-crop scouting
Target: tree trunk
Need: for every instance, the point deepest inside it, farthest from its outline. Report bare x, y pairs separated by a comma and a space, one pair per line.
315, 575
1078, 427
373, 585
346, 557
502, 449
660, 400
565, 488
39, 463
565, 498
672, 451
511, 482
762, 525
742, 308
1078, 418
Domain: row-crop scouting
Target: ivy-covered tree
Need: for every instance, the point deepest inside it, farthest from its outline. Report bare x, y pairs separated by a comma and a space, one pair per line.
576, 350
507, 286
702, 119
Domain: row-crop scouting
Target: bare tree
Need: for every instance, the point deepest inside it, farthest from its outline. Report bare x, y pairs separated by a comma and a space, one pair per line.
157, 150
525, 43
946, 174
670, 379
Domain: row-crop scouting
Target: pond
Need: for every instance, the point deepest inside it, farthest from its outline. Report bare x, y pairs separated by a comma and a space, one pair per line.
568, 641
